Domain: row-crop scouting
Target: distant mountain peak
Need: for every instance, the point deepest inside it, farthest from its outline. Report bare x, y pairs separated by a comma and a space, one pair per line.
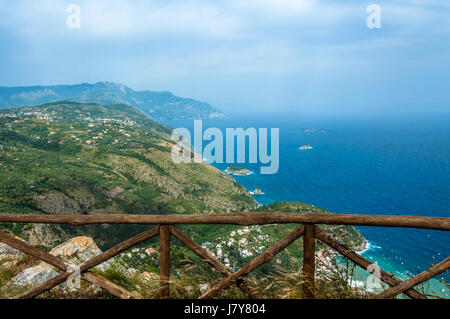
160, 105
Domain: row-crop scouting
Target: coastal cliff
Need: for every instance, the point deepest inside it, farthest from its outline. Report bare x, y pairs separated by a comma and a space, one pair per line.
72, 158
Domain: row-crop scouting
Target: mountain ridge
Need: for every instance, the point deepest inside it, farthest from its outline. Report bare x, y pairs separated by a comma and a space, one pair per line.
159, 105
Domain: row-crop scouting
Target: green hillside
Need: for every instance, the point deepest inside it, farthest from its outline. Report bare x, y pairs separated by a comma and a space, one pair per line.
71, 158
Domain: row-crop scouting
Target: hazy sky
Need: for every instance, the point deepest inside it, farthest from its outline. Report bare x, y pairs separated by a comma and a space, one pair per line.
267, 55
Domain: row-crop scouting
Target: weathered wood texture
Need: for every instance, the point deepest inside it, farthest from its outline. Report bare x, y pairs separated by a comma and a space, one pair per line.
309, 262
91, 263
363, 263
46, 286
117, 249
416, 280
109, 286
254, 218
32, 251
265, 257
164, 261
245, 219
211, 260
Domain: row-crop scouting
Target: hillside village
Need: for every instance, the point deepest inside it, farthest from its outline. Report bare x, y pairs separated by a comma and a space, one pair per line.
69, 158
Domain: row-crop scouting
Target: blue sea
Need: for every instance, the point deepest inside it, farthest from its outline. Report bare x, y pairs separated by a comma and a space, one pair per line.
363, 165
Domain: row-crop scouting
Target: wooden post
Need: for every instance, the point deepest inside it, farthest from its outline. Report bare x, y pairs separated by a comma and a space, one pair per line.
164, 261
109, 286
308, 262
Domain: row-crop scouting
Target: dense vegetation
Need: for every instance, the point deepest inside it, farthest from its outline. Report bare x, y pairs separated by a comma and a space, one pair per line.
71, 158
67, 158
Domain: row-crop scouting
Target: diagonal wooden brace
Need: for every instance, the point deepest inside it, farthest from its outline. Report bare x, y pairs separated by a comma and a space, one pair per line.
265, 257
416, 280
363, 263
111, 287
211, 260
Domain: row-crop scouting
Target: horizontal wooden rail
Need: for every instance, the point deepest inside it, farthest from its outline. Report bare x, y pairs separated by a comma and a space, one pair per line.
244, 219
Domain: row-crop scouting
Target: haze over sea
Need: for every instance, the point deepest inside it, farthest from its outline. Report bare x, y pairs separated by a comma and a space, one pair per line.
379, 165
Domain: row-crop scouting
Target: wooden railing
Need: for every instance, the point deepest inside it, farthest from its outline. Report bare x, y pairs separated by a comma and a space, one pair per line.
165, 229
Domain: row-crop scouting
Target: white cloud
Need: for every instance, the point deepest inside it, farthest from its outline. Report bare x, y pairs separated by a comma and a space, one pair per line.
109, 18
285, 7
198, 18
221, 19
215, 47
